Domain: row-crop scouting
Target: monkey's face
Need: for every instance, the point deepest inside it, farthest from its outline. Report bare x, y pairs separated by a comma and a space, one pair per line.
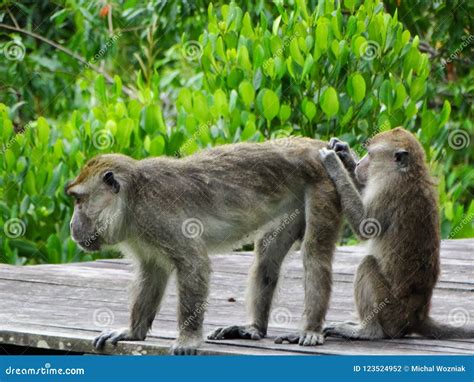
392, 154
362, 169
98, 208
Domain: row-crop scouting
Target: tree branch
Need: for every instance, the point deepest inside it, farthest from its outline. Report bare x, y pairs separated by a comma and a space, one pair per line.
130, 92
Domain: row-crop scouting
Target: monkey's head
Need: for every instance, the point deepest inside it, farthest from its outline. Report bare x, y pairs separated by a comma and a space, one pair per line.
394, 153
100, 207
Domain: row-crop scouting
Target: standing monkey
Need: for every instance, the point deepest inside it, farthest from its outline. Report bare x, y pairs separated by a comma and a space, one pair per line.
398, 215
168, 214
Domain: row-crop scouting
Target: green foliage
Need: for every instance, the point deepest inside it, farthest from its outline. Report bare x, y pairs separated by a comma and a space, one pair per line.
222, 74
338, 69
37, 162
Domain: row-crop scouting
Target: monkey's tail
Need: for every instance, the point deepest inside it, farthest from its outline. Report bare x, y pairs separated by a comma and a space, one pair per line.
435, 330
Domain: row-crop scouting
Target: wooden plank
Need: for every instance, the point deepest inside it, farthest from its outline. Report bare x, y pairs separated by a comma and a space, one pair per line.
56, 302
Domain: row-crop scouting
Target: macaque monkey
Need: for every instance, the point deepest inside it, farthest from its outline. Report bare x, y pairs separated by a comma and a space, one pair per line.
169, 213
398, 215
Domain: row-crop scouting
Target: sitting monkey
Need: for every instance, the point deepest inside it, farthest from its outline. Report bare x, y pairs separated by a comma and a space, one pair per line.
169, 213
398, 215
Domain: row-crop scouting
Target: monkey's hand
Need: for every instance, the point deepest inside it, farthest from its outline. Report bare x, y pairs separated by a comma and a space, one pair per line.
345, 154
114, 336
249, 332
304, 338
332, 163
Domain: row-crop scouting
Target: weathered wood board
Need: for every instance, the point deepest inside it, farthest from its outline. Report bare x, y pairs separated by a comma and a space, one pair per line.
63, 307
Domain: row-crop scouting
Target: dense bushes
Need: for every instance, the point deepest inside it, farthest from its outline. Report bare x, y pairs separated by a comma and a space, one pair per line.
252, 74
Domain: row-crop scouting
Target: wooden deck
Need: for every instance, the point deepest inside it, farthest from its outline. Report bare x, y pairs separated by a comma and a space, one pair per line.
63, 307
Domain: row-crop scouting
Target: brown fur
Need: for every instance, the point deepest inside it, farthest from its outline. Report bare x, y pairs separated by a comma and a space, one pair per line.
394, 283
231, 193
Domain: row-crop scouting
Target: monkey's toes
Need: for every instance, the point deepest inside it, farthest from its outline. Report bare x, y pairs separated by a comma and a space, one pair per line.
183, 350
308, 338
236, 332
101, 339
311, 339
290, 338
112, 336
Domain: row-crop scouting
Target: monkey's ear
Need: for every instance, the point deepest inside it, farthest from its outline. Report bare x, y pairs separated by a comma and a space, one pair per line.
402, 157
110, 181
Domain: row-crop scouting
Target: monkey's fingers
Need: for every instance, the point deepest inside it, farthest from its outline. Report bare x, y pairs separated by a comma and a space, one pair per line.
119, 336
183, 350
333, 142
290, 338
236, 332
100, 340
311, 338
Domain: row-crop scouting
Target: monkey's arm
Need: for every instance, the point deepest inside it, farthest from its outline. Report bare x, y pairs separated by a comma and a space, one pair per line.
351, 201
348, 158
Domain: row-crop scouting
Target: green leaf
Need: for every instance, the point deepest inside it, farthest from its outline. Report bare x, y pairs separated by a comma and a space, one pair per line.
295, 52
117, 86
249, 131
356, 87
285, 112
271, 104
330, 102
100, 91
400, 96
347, 117
385, 94
243, 58
247, 92
417, 89
444, 115
43, 131
157, 146
308, 65
185, 99
309, 109
322, 33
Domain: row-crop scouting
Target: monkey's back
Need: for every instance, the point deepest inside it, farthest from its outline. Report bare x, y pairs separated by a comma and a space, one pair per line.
411, 244
235, 188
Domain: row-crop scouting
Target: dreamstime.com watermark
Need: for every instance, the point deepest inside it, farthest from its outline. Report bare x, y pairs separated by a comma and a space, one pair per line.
287, 219
202, 129
14, 50
377, 309
103, 50
279, 52
281, 317
466, 220
454, 55
44, 370
18, 134
192, 228
192, 50
197, 312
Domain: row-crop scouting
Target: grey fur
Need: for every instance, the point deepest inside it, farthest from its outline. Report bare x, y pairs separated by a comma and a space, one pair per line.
229, 193
394, 283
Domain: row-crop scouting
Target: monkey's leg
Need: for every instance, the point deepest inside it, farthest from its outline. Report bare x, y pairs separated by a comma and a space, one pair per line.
147, 293
377, 307
193, 285
322, 230
271, 249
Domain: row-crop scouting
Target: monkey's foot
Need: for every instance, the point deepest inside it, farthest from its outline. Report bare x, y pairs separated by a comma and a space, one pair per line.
305, 338
113, 336
185, 346
248, 332
349, 330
